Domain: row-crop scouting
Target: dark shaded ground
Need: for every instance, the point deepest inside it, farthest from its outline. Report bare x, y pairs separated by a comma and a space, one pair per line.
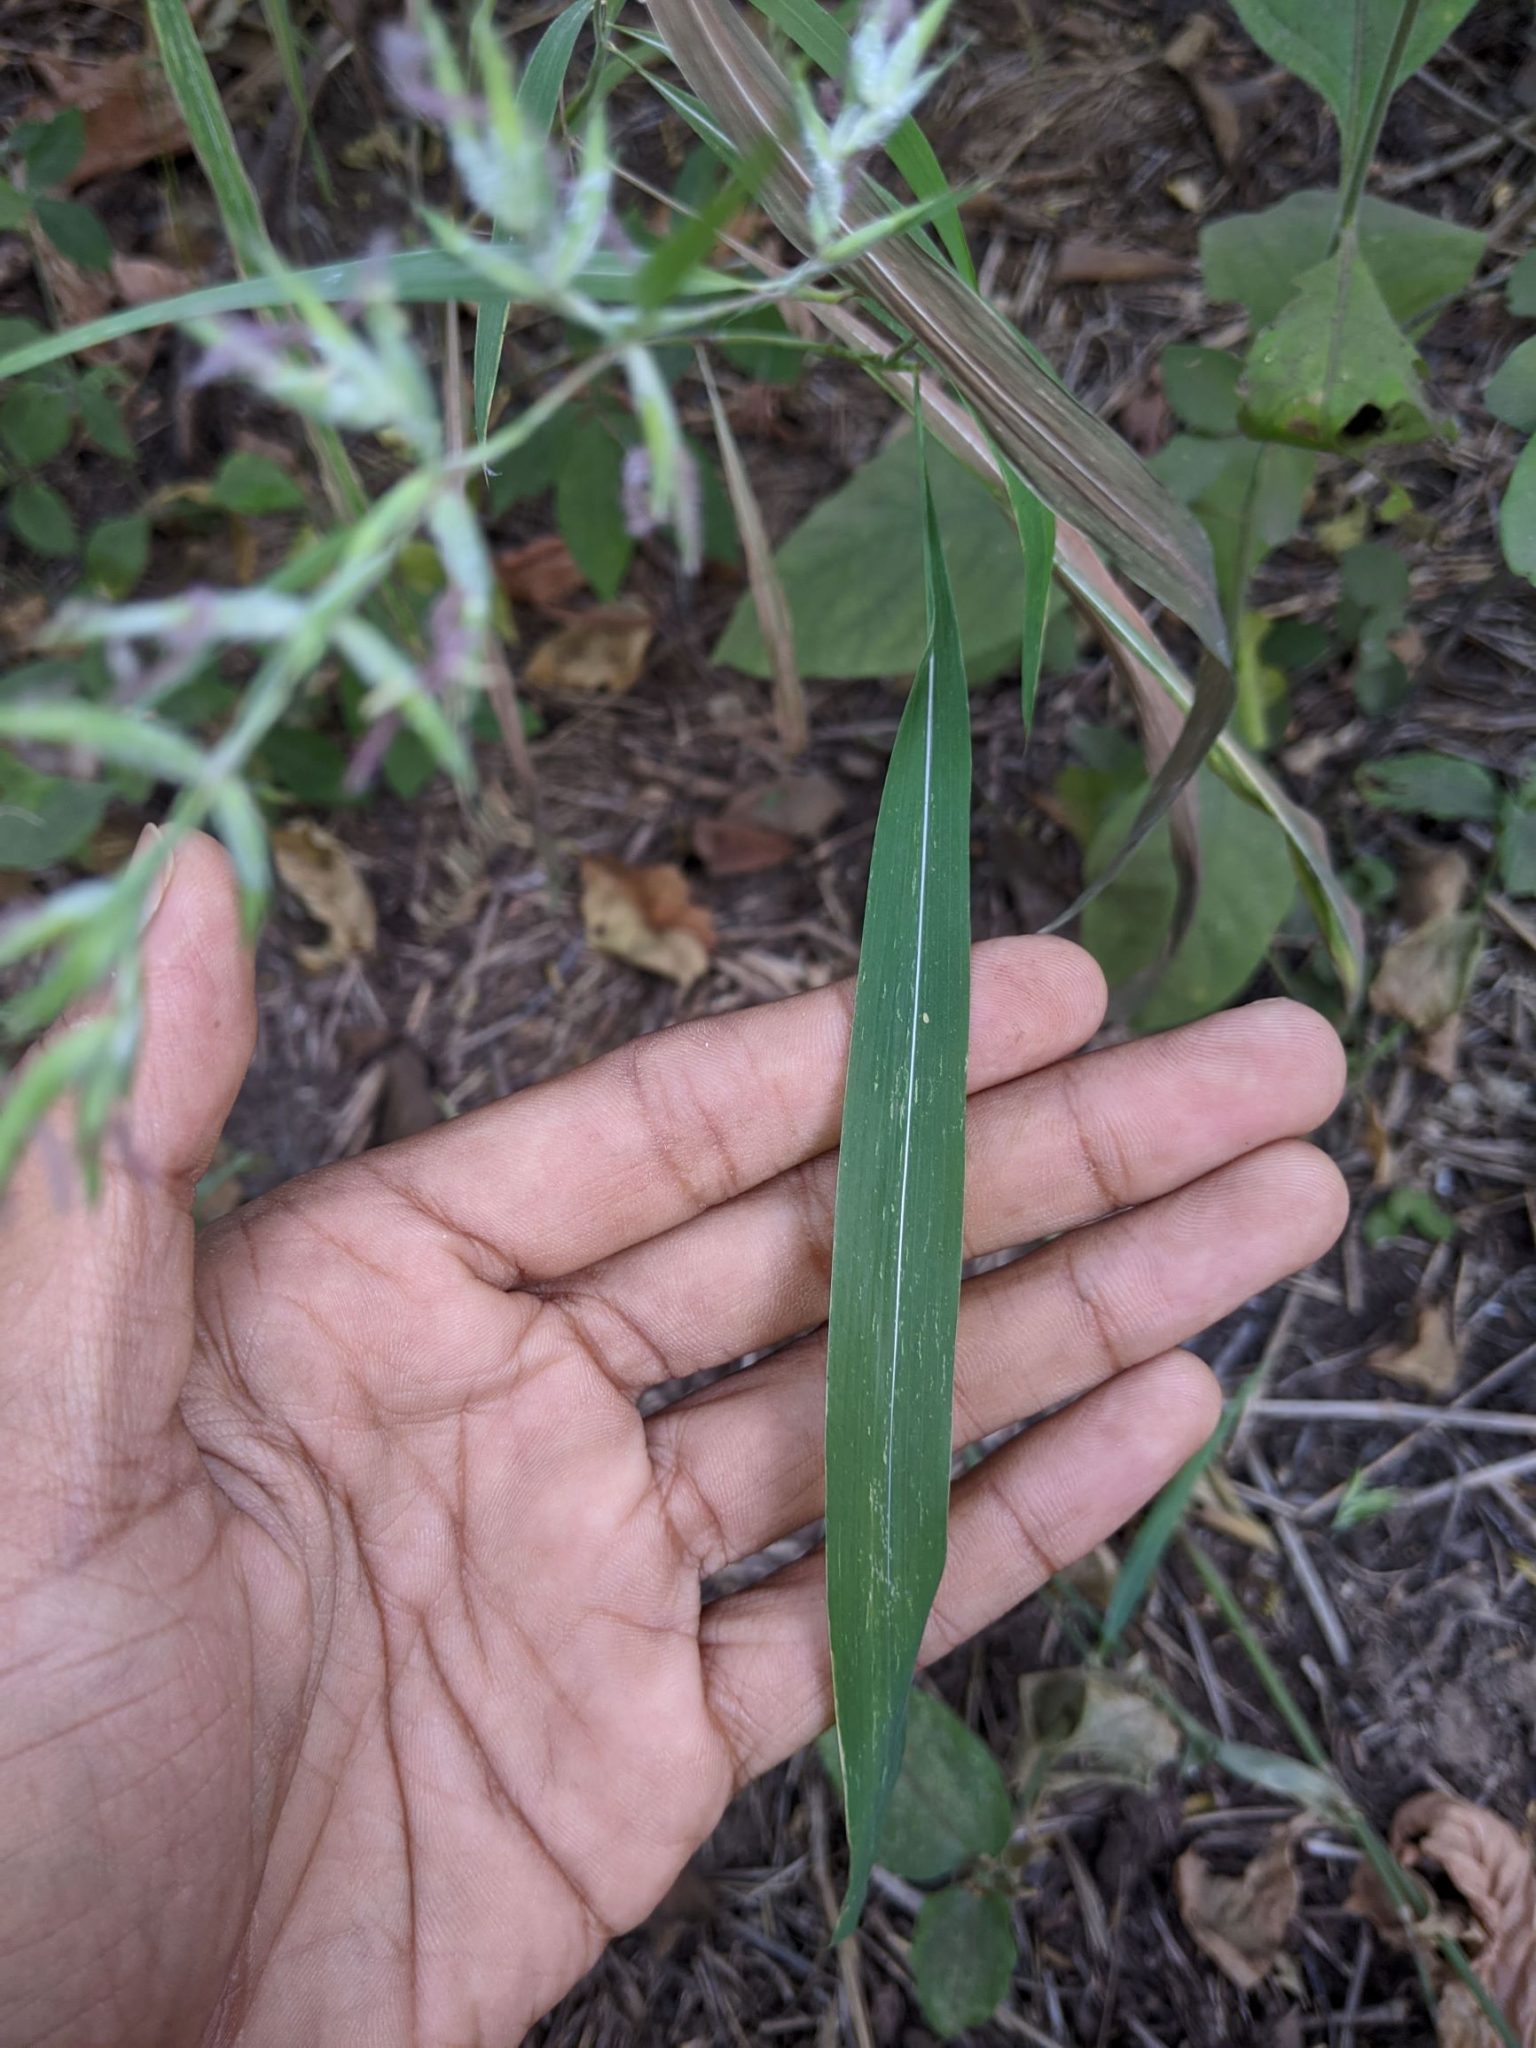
1407, 1640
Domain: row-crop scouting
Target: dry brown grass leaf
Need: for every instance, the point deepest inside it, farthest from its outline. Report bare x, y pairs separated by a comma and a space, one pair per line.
647, 916
1079, 261
600, 654
322, 874
1430, 1362
542, 573
130, 113
1490, 1867
1426, 975
1240, 1922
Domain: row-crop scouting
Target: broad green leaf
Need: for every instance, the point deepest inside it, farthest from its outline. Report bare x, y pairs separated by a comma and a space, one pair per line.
1520, 289
950, 1803
1201, 386
1249, 497
1426, 785
533, 467
1333, 370
1374, 579
309, 766
853, 574
1262, 698
962, 1957
1408, 1209
44, 818
40, 517
1511, 393
101, 416
761, 346
75, 232
818, 33
1246, 889
1342, 50
252, 484
117, 554
1035, 525
36, 422
1517, 515
589, 507
539, 92
1071, 460
53, 151
896, 1241
15, 207
1417, 261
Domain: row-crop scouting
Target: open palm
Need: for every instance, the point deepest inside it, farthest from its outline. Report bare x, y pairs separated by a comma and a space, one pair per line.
356, 1677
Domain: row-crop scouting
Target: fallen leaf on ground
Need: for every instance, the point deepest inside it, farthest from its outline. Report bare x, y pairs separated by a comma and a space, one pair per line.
320, 871
1092, 1729
130, 112
1084, 262
1490, 1867
802, 805
79, 294
140, 280
544, 572
734, 846
1429, 1362
1425, 975
647, 916
599, 654
1240, 1922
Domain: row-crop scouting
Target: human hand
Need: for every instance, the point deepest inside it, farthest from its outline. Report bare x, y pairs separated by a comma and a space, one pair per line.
355, 1683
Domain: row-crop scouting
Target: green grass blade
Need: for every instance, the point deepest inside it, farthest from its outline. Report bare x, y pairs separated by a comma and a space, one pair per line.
285, 40
815, 31
1036, 524
539, 93
1163, 1520
539, 97
896, 1242
213, 140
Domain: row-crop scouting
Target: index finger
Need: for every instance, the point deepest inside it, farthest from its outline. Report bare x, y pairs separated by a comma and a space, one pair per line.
577, 1169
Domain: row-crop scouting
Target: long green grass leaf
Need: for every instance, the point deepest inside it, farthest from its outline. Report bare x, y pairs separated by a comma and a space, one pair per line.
416, 276
1078, 465
278, 16
896, 1241
817, 32
213, 140
1036, 526
539, 93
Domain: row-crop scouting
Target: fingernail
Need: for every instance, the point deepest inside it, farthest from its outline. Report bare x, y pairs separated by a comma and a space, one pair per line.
160, 881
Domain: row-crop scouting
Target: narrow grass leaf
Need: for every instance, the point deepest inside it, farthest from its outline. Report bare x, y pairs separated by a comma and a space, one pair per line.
1163, 1520
816, 31
773, 613
197, 97
1036, 524
897, 1244
539, 93
285, 40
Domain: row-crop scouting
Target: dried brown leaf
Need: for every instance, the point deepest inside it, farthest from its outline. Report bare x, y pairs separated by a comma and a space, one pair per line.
321, 873
647, 916
805, 806
735, 846
1425, 975
600, 654
1430, 1362
1240, 1922
140, 280
1093, 1728
542, 573
1490, 1866
130, 112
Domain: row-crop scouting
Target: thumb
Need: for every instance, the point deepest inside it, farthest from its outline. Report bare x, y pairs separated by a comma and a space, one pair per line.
96, 1298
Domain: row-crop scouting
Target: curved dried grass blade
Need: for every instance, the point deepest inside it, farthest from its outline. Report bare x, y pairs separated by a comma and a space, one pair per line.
896, 1243
1083, 470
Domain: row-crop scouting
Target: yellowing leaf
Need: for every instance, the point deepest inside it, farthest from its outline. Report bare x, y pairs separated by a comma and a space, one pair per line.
1430, 1362
320, 871
647, 916
599, 654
